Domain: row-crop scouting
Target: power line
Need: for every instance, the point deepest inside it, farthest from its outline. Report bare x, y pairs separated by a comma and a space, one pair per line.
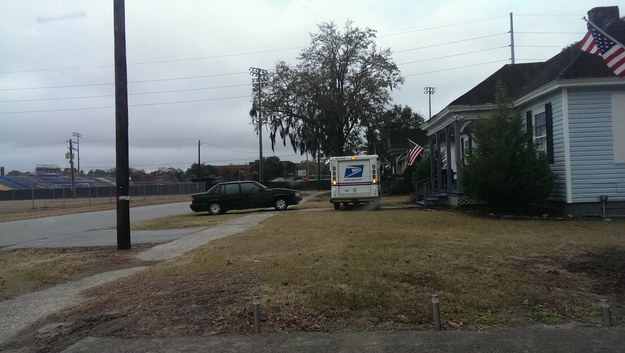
455, 68
139, 81
453, 55
452, 42
130, 105
131, 94
441, 26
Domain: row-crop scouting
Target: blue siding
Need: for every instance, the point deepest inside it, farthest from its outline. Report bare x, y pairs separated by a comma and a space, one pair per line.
558, 166
593, 171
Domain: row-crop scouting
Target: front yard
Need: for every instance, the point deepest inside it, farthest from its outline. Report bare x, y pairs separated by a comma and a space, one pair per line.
324, 270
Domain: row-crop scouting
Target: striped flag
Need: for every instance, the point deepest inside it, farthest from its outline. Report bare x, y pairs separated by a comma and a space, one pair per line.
413, 152
588, 44
613, 53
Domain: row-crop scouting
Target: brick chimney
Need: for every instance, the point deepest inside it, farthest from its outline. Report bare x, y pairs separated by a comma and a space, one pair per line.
602, 16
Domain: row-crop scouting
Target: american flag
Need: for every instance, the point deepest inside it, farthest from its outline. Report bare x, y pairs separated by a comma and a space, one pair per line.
413, 152
613, 53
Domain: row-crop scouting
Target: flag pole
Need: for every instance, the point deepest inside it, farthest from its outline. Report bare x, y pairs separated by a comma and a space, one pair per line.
603, 32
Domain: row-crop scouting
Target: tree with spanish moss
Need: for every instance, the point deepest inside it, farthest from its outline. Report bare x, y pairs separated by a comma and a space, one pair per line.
340, 88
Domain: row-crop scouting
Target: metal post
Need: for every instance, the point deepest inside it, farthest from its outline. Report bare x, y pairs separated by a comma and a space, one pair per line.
436, 313
33, 197
607, 317
511, 39
603, 199
256, 309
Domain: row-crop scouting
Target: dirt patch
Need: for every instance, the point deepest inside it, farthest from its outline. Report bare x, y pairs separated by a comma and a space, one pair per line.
165, 306
27, 270
606, 268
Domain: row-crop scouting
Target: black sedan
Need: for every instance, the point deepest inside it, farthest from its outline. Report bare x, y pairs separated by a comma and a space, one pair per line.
239, 195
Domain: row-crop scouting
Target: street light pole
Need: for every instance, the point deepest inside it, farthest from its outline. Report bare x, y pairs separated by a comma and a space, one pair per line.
429, 91
258, 76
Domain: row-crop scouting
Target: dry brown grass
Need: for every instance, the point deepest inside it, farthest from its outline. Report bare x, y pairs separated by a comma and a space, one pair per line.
317, 269
363, 270
26, 270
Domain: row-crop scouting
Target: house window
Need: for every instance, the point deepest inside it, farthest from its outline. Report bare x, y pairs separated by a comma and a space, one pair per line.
540, 131
540, 122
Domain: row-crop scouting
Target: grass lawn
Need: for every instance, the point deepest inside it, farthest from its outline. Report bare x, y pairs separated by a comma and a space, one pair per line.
331, 270
27, 270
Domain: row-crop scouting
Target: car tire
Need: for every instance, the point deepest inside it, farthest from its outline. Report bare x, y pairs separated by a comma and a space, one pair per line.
280, 204
215, 208
337, 205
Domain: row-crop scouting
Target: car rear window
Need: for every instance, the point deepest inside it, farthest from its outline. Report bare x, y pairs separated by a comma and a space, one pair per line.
215, 190
249, 187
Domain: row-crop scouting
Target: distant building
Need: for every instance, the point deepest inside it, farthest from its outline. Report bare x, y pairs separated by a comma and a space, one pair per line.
235, 172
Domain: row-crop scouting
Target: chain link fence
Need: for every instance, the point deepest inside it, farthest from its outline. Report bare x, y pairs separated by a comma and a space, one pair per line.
85, 191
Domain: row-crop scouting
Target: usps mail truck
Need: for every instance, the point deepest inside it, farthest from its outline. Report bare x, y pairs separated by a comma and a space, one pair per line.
355, 180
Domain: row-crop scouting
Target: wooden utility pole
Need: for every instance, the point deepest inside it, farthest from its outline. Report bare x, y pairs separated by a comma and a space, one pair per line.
71, 165
259, 74
121, 128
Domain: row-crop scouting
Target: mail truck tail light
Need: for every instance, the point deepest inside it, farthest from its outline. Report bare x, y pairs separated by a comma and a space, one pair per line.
373, 176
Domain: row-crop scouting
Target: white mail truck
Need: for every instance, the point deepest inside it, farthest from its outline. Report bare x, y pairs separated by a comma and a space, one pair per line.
355, 180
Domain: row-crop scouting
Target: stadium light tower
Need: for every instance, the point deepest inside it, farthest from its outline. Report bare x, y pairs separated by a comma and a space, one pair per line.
429, 91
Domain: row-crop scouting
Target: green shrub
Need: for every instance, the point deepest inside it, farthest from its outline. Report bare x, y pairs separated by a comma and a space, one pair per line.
505, 169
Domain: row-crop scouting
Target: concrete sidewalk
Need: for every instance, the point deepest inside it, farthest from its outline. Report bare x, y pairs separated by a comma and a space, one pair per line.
511, 340
17, 313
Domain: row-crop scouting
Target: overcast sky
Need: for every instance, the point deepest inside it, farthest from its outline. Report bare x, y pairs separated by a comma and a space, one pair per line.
188, 64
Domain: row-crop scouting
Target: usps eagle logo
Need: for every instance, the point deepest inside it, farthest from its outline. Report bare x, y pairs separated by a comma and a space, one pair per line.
354, 171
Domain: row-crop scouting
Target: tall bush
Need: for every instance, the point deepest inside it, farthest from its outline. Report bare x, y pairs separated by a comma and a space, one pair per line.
505, 169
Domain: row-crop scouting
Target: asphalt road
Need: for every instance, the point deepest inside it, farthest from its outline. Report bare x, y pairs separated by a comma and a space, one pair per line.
89, 229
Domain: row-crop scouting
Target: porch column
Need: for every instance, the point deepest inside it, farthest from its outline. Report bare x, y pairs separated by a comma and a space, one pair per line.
458, 155
448, 156
439, 163
432, 161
